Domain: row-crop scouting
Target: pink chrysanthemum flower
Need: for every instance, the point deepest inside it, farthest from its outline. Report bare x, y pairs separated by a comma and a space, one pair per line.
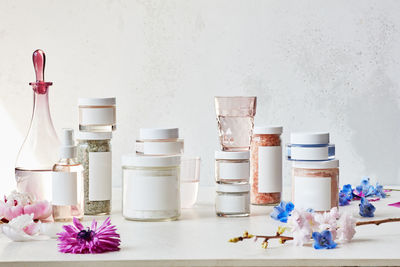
78, 240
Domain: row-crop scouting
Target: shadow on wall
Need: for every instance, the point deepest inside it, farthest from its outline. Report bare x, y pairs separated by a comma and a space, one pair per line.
375, 121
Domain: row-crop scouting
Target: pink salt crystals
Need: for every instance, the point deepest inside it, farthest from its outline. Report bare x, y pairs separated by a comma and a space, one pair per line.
266, 165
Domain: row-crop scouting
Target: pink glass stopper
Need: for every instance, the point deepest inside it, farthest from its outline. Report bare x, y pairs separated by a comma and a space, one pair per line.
39, 61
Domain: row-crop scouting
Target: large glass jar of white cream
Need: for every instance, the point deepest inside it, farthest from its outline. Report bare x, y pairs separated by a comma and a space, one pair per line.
151, 190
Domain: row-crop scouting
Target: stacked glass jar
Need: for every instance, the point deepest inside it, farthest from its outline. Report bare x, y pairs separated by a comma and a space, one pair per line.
152, 183
315, 171
97, 120
235, 117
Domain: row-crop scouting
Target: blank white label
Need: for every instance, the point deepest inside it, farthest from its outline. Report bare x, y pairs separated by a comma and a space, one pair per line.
232, 203
100, 174
150, 193
269, 169
65, 188
234, 170
312, 193
97, 116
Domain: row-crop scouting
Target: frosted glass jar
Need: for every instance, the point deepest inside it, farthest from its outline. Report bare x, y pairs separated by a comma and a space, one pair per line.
151, 189
315, 184
232, 167
159, 142
310, 146
97, 114
232, 200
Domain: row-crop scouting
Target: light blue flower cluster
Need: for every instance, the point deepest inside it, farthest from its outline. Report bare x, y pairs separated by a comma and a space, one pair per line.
365, 189
282, 211
366, 208
323, 240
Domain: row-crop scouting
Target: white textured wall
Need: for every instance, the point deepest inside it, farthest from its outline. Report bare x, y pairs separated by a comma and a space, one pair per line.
314, 65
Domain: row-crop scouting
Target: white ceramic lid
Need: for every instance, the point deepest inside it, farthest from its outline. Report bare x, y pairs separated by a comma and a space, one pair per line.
94, 135
233, 188
150, 161
87, 101
232, 154
316, 138
159, 133
326, 164
269, 129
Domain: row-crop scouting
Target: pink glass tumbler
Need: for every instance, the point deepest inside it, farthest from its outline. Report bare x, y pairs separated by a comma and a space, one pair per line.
235, 117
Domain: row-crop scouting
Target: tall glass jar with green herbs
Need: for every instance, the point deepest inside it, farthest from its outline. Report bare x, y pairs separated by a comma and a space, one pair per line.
94, 153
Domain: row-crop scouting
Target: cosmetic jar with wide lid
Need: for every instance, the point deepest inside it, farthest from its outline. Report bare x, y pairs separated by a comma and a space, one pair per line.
315, 184
232, 167
97, 114
151, 188
232, 200
310, 146
159, 142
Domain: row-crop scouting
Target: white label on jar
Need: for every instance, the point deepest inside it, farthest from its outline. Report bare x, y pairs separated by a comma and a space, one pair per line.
312, 193
234, 170
64, 188
269, 169
97, 116
150, 193
233, 203
309, 153
100, 175
160, 148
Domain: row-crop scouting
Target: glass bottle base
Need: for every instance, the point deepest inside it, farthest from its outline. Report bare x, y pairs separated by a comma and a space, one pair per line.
232, 215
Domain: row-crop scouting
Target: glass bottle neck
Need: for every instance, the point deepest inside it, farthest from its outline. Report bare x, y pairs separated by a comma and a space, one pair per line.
41, 108
69, 161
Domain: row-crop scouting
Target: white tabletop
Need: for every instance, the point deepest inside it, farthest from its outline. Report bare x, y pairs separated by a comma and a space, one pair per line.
200, 238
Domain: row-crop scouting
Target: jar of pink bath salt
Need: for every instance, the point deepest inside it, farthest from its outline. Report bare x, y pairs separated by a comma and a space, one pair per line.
266, 165
315, 184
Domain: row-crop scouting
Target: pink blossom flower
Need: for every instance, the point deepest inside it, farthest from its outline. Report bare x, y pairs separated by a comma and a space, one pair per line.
328, 221
22, 228
17, 204
302, 225
347, 225
78, 240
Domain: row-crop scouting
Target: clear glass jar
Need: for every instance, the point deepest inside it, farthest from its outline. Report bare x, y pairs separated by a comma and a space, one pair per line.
266, 165
235, 117
315, 184
232, 200
232, 167
151, 189
190, 179
159, 142
97, 114
94, 153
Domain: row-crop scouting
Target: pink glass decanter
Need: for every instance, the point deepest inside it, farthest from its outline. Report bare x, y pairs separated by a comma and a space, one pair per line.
39, 152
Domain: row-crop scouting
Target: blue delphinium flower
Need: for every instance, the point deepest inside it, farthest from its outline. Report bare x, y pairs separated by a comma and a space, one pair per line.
345, 195
366, 208
365, 188
282, 211
323, 240
379, 192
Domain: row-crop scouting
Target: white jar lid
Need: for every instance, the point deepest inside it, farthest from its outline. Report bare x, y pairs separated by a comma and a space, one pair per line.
94, 135
326, 164
305, 138
159, 133
232, 154
269, 129
233, 188
87, 101
150, 161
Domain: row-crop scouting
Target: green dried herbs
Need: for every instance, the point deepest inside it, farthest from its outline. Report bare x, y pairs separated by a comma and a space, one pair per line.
84, 148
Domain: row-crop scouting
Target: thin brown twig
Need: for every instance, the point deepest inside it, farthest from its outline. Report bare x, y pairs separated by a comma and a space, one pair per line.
274, 236
378, 222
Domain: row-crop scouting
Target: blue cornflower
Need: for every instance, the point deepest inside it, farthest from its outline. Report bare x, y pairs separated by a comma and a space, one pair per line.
379, 192
345, 195
282, 211
365, 188
366, 208
323, 240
